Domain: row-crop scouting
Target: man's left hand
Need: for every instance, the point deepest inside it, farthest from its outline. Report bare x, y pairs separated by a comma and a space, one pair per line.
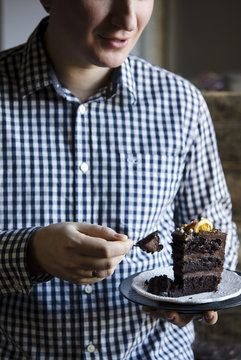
209, 317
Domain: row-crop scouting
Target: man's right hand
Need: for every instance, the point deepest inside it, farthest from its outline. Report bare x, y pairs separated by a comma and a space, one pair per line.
81, 253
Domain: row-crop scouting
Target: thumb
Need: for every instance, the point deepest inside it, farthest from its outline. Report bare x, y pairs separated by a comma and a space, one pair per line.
120, 237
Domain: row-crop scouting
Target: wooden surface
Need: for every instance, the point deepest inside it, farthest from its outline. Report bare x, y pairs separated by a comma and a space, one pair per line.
225, 109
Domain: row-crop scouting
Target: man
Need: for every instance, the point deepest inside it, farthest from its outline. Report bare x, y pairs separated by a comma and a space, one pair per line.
98, 148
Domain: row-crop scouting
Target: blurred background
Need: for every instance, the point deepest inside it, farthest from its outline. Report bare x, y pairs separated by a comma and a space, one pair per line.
200, 40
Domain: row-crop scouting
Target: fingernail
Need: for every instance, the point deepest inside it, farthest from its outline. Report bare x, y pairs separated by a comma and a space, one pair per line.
121, 236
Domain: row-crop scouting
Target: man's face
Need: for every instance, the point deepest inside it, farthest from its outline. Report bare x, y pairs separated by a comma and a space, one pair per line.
98, 32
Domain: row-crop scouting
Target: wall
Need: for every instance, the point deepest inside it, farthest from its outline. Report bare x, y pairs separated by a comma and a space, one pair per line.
18, 18
152, 42
225, 109
203, 36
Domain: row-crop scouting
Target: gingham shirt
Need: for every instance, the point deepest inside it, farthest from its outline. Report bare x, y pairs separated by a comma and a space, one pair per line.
138, 156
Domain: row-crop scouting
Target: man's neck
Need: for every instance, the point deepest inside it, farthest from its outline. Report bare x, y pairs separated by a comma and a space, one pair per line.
82, 82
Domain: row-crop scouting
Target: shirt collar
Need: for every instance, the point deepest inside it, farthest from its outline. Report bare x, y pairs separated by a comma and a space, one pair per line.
35, 68
36, 71
123, 78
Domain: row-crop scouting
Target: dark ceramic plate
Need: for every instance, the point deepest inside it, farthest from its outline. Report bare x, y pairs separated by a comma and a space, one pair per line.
130, 294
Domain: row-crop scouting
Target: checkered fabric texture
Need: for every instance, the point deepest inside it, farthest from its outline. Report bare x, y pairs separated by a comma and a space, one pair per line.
138, 156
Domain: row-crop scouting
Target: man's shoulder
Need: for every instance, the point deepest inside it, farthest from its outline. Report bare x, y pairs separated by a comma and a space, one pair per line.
160, 78
11, 52
9, 59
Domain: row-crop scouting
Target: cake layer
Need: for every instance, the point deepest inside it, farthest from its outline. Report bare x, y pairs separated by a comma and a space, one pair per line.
190, 264
212, 242
201, 273
180, 278
161, 285
195, 285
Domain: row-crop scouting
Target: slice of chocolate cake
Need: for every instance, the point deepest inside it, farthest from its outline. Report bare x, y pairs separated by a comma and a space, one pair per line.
150, 243
198, 257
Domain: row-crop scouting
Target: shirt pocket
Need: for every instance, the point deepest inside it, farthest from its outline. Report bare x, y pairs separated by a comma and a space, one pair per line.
148, 185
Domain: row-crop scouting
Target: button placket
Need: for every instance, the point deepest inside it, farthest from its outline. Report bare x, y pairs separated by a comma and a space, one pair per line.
83, 211
83, 167
82, 164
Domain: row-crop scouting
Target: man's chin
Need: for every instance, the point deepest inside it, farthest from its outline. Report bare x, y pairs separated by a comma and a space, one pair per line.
111, 60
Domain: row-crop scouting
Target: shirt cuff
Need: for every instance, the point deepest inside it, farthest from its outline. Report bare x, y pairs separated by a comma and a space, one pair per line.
14, 277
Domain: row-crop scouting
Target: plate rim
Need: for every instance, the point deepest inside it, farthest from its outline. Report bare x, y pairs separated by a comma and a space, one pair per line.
129, 294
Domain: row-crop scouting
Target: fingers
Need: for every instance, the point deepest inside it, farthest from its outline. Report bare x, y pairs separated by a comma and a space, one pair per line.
88, 281
98, 264
111, 245
179, 319
209, 317
98, 274
84, 267
103, 232
171, 316
154, 312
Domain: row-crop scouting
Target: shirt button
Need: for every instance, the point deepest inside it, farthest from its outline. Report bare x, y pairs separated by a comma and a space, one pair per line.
84, 167
90, 348
82, 109
88, 289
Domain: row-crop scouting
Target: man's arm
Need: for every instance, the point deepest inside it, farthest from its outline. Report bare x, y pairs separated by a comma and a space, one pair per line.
14, 278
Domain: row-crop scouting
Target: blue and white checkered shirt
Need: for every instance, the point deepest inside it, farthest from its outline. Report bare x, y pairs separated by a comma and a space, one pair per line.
138, 156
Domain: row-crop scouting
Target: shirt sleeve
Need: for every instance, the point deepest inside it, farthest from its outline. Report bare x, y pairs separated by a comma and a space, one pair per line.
204, 192
14, 277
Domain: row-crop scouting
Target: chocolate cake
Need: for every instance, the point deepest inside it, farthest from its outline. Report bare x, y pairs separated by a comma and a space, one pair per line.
150, 243
198, 257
